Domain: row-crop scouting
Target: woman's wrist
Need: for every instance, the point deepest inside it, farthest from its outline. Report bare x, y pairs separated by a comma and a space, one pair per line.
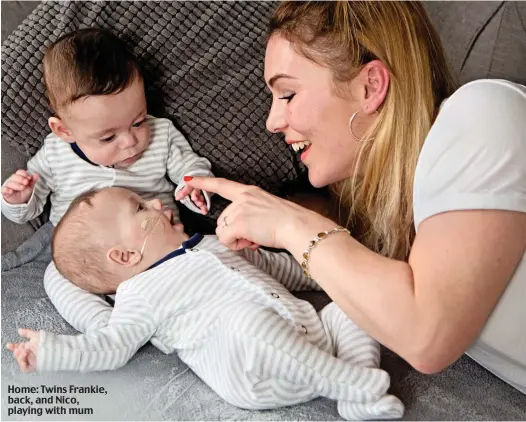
300, 229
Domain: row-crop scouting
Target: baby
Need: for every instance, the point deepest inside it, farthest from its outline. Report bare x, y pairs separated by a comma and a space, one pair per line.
228, 315
101, 136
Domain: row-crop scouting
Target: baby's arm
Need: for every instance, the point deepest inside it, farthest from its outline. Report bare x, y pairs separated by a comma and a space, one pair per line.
85, 311
283, 267
130, 326
183, 161
27, 203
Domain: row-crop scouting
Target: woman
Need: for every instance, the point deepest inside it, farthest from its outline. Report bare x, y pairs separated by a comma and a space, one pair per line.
435, 177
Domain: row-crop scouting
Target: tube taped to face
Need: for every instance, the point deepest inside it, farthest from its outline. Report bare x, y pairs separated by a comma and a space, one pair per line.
151, 225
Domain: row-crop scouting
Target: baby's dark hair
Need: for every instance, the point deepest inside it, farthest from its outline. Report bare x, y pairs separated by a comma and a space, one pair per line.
76, 249
85, 62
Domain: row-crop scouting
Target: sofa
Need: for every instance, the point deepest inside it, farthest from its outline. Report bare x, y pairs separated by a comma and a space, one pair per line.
204, 70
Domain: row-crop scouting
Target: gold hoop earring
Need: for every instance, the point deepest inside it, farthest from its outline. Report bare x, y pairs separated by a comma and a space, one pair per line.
350, 126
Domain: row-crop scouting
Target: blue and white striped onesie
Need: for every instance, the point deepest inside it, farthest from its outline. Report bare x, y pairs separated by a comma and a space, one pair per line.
231, 319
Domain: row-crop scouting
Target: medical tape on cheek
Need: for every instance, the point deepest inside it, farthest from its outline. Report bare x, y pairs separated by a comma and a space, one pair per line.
150, 226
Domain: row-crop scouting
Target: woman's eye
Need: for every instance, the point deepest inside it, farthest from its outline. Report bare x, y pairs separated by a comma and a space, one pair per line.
288, 97
108, 138
139, 124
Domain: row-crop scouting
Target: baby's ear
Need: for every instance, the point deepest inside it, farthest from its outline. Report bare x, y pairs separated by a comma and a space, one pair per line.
59, 128
122, 256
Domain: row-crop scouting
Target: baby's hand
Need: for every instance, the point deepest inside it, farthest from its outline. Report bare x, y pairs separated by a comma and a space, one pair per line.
19, 187
195, 195
26, 353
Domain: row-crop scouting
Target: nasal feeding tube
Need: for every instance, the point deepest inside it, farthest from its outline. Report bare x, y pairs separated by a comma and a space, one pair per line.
150, 225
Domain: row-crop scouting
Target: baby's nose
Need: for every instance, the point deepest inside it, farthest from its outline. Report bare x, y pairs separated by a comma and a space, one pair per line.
127, 141
156, 203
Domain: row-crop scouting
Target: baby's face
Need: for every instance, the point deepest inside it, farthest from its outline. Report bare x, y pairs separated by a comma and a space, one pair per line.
110, 129
132, 224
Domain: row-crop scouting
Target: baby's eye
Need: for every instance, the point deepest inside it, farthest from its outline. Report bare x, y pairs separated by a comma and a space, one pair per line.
108, 139
139, 124
288, 97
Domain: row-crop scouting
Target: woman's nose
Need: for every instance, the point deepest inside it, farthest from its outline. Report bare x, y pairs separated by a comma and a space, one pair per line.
156, 204
127, 140
276, 121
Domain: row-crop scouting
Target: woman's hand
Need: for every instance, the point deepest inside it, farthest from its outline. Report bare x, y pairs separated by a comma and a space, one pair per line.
254, 217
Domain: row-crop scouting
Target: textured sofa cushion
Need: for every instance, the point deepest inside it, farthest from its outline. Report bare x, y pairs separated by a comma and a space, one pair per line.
13, 234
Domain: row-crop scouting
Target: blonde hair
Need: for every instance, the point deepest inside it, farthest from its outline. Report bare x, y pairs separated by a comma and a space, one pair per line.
344, 36
76, 249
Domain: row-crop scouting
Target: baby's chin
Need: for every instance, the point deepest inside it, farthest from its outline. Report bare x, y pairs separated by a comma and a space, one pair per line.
178, 234
173, 234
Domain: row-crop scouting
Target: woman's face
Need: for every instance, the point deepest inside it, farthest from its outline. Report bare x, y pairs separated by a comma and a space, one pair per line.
306, 110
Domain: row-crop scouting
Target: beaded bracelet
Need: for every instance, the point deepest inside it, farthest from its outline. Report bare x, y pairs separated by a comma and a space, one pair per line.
314, 242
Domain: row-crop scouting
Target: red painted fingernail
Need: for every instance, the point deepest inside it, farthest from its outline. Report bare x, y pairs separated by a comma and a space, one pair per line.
187, 178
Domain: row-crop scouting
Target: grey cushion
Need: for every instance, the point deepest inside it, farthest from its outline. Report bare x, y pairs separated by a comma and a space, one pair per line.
483, 39
13, 13
13, 234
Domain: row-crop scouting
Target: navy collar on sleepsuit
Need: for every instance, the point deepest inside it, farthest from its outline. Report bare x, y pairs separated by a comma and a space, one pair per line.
188, 244
76, 149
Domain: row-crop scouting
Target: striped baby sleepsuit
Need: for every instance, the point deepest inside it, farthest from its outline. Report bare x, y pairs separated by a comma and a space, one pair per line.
65, 173
231, 318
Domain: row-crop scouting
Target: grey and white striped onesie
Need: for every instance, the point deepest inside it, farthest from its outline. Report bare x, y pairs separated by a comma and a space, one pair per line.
66, 175
234, 324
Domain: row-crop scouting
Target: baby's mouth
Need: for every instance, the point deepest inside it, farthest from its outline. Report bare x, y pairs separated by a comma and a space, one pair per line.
171, 216
132, 159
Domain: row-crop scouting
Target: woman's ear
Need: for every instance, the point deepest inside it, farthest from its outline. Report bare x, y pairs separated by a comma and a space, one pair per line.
124, 257
58, 127
375, 78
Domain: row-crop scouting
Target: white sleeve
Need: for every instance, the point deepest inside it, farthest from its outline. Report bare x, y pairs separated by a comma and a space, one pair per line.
131, 325
183, 161
474, 156
283, 267
85, 311
21, 213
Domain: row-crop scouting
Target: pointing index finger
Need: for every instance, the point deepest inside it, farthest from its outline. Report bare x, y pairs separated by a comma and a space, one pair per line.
228, 189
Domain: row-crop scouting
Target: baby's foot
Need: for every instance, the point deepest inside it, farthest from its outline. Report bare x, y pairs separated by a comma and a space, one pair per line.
388, 407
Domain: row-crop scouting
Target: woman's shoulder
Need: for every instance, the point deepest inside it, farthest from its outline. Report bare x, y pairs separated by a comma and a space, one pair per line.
485, 93
474, 156
485, 111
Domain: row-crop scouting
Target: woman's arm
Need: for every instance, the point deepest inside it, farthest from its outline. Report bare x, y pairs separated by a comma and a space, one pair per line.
431, 309
428, 310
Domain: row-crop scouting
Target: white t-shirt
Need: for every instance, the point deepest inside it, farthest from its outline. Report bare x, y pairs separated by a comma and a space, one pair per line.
474, 157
